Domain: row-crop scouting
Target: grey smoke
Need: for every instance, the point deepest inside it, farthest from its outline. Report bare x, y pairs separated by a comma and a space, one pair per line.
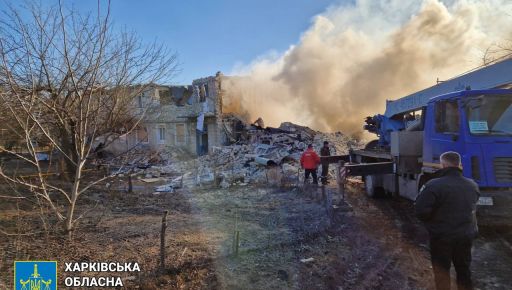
354, 57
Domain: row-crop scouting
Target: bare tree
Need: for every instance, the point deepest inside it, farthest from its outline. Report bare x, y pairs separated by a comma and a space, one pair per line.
67, 78
497, 52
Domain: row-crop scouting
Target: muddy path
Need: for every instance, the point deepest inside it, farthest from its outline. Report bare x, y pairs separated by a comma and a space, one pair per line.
289, 241
289, 238
492, 259
492, 250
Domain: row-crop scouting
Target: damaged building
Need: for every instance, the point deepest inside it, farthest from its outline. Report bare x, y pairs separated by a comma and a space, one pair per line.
188, 118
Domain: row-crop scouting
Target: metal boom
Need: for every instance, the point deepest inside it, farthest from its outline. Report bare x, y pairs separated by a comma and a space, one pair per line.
497, 75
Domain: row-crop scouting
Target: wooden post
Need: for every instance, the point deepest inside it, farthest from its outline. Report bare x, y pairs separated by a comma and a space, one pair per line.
162, 241
341, 178
130, 183
237, 242
236, 236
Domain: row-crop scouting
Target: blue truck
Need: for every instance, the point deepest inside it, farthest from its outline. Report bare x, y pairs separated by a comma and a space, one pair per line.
470, 114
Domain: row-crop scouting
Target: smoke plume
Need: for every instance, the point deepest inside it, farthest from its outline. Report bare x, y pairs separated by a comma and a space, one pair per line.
354, 57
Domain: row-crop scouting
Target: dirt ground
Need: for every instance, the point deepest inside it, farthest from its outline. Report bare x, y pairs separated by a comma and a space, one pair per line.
355, 243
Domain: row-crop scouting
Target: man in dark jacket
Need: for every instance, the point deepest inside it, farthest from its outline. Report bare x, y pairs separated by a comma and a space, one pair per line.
325, 151
447, 206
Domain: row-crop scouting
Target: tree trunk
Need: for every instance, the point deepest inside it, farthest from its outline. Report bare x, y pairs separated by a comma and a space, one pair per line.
74, 196
68, 147
69, 227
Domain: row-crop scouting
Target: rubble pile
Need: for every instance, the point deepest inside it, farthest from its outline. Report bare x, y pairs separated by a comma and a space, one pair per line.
264, 156
271, 156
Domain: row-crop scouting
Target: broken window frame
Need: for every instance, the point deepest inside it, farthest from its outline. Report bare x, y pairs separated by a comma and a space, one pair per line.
178, 139
144, 140
202, 93
206, 91
165, 97
140, 102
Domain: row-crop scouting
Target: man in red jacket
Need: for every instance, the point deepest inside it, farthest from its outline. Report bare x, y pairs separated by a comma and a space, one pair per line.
309, 161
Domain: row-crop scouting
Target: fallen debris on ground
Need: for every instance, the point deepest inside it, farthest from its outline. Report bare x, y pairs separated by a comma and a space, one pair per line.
268, 155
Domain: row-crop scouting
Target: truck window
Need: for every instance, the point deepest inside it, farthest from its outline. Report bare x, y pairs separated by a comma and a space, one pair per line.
447, 117
490, 115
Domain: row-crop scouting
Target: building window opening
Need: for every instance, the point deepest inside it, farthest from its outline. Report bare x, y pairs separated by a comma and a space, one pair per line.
180, 134
161, 135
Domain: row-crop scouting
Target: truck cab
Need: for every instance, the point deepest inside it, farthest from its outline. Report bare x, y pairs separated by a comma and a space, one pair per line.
470, 114
478, 125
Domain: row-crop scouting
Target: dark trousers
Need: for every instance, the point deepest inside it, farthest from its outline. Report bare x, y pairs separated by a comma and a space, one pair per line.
444, 251
325, 170
313, 173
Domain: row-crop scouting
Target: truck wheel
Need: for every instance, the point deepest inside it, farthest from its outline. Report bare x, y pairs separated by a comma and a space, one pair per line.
373, 185
372, 145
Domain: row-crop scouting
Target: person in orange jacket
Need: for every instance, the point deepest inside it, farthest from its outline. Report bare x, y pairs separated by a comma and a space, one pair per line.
309, 161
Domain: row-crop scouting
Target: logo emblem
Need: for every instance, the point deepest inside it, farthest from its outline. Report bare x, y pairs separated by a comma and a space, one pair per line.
35, 275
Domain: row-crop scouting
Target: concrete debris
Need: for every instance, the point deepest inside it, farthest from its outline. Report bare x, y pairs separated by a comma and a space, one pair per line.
303, 131
259, 122
266, 156
164, 188
265, 161
224, 184
205, 176
150, 180
169, 187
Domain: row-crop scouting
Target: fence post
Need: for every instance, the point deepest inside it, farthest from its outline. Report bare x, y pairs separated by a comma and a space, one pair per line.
162, 241
341, 178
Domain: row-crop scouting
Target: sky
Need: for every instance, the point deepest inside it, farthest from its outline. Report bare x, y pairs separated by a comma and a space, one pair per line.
314, 59
215, 35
